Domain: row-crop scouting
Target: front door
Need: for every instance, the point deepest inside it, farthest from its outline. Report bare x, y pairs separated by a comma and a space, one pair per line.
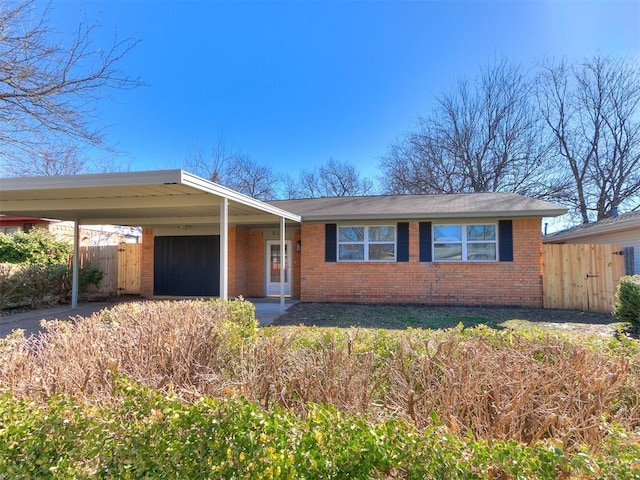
276, 270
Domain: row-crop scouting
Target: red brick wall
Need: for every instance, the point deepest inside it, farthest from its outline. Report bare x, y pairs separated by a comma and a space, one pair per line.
460, 283
239, 259
232, 275
246, 262
146, 260
255, 263
295, 293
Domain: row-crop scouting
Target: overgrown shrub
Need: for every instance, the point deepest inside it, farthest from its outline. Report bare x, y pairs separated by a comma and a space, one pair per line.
627, 304
143, 434
35, 247
35, 270
39, 284
503, 385
62, 277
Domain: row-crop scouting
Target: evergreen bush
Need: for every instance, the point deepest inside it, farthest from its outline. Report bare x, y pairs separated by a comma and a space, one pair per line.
35, 247
35, 270
36, 285
627, 305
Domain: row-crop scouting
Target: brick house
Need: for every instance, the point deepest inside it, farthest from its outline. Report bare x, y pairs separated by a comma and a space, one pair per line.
471, 249
202, 239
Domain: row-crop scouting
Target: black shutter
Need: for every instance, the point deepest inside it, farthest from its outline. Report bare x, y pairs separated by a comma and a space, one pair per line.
505, 240
330, 242
425, 242
402, 255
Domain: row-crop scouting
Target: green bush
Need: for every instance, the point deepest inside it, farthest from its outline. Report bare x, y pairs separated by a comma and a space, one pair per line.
627, 305
62, 278
38, 284
241, 316
147, 435
35, 247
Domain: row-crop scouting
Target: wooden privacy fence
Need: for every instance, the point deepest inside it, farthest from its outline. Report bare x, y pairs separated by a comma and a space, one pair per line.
120, 266
581, 277
129, 260
106, 259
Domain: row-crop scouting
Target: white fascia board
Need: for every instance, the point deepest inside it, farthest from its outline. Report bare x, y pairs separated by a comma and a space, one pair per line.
119, 179
194, 181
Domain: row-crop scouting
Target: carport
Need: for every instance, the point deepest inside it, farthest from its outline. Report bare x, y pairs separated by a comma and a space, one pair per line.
153, 199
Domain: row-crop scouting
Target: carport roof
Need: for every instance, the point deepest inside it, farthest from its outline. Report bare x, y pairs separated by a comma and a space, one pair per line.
149, 199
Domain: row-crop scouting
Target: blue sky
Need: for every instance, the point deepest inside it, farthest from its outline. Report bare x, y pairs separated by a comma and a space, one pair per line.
292, 84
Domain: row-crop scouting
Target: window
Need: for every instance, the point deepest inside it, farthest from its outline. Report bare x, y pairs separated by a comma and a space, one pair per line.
464, 242
367, 243
9, 230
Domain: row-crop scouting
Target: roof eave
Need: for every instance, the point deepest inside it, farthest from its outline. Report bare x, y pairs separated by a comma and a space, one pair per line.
588, 232
118, 179
194, 181
439, 215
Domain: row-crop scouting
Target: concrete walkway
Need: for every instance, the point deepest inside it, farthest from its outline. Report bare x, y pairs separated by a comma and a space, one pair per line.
267, 310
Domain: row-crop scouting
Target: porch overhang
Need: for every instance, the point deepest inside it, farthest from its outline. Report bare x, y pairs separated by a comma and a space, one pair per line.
152, 199
146, 199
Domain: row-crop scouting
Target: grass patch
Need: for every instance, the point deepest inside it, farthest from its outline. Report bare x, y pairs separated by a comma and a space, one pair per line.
399, 317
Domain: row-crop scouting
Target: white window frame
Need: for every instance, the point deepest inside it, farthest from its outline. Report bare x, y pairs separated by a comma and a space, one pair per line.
367, 242
464, 242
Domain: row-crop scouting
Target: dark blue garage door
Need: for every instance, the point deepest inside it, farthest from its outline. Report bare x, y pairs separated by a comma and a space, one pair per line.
187, 266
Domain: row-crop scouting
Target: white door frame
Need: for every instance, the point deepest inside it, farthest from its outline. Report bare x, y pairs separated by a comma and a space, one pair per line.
273, 288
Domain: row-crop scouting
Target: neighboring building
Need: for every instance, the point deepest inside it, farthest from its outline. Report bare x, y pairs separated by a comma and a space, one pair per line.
202, 239
623, 229
11, 225
90, 235
94, 235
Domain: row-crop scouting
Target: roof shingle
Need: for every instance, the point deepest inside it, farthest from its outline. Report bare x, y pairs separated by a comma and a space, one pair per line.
463, 205
621, 222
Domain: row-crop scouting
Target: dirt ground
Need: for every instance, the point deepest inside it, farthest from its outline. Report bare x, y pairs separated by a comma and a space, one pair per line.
435, 317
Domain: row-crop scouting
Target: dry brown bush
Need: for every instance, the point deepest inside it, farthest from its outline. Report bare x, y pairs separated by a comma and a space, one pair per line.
527, 389
497, 385
159, 344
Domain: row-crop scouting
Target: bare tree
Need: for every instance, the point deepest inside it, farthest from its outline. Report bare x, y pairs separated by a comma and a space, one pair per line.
291, 187
214, 166
251, 178
56, 160
49, 87
334, 179
592, 111
228, 166
309, 183
482, 137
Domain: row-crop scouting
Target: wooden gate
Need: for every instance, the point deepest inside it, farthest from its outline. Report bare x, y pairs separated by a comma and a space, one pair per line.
129, 256
581, 277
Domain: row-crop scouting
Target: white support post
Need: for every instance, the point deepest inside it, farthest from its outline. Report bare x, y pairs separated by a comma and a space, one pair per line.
283, 262
224, 248
75, 269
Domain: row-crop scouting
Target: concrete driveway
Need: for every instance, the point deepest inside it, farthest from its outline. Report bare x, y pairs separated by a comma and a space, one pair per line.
267, 310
